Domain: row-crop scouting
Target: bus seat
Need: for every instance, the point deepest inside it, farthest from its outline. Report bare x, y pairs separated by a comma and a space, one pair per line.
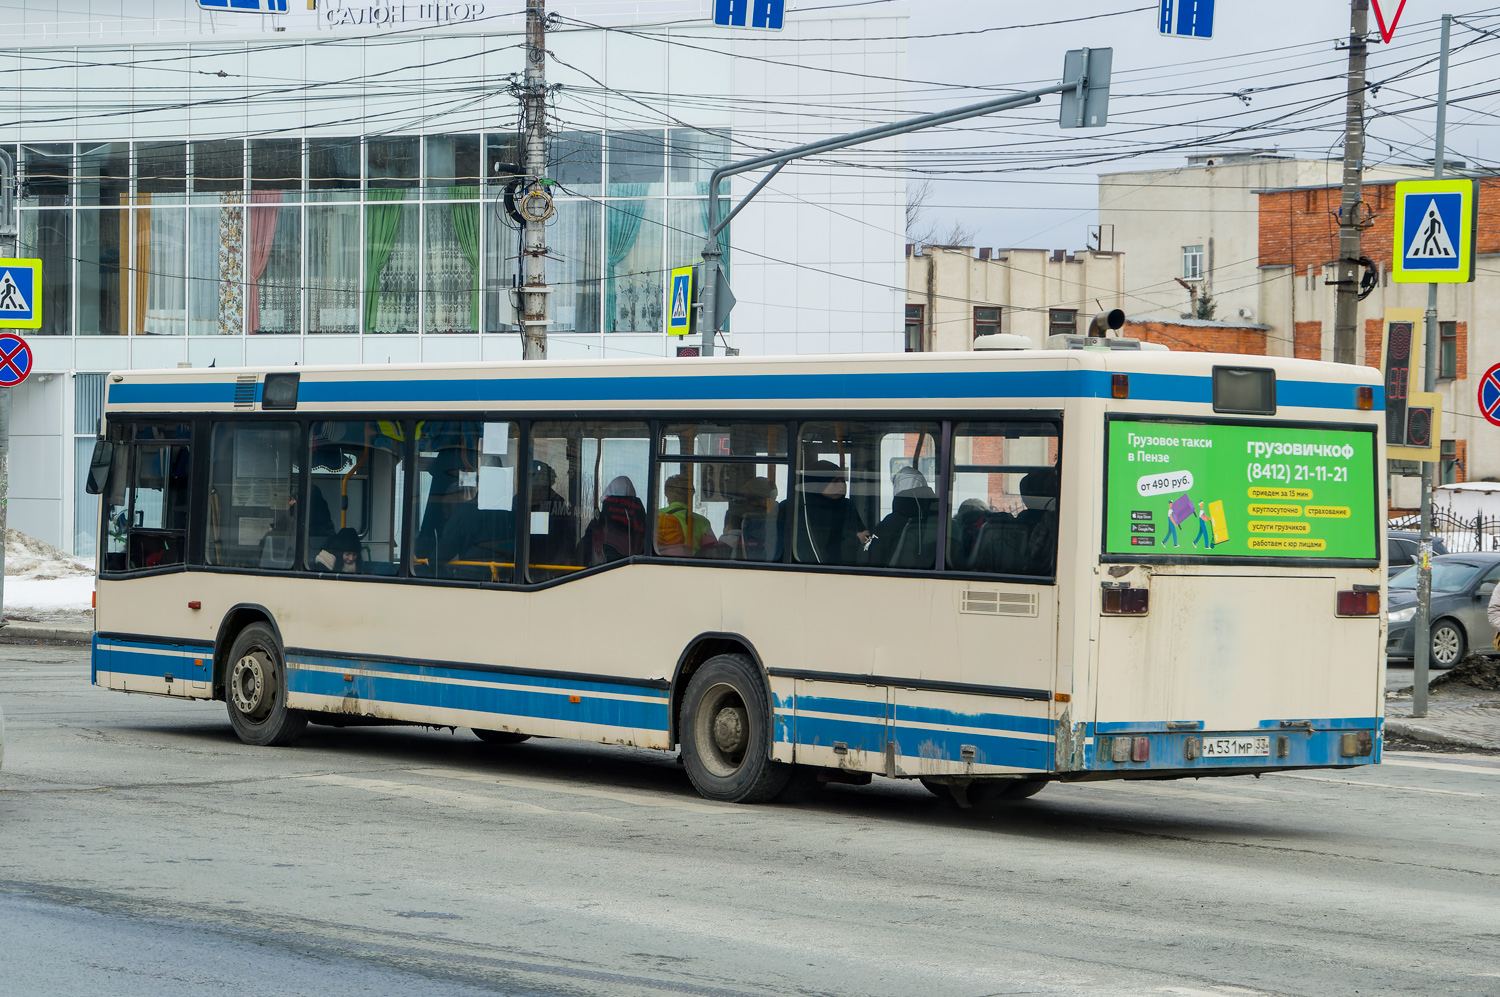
1001, 547
760, 537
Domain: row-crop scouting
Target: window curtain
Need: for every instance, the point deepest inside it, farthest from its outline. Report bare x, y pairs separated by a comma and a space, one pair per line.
265, 208
624, 228
466, 227
161, 245
383, 225
215, 268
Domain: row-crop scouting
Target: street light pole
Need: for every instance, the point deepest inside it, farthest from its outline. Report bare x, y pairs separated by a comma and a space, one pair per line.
534, 132
1421, 651
8, 248
1088, 102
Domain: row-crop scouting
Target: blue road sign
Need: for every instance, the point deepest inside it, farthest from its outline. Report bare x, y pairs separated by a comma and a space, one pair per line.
20, 294
15, 360
1187, 18
1429, 238
680, 302
246, 6
754, 13
1434, 231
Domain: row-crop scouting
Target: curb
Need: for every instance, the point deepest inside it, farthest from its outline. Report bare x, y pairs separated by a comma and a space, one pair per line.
47, 635
1428, 735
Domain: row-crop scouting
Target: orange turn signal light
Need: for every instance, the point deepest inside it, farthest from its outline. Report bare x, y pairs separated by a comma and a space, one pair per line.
1125, 601
1120, 385
1364, 397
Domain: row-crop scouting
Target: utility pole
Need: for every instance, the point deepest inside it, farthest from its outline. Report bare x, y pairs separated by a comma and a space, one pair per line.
8, 246
534, 137
1422, 639
1346, 313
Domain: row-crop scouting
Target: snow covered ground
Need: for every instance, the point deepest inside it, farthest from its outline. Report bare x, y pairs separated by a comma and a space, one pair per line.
44, 584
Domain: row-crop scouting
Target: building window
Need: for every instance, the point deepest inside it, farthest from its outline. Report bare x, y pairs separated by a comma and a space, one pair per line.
1452, 462
1062, 321
914, 325
986, 322
1447, 351
1192, 262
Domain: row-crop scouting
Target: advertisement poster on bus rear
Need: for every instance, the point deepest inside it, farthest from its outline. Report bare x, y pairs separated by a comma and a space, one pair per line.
1207, 490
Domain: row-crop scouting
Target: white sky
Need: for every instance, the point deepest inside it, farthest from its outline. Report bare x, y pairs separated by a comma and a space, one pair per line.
1171, 90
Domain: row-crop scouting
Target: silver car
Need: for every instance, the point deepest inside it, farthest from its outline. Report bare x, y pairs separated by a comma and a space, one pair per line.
1461, 588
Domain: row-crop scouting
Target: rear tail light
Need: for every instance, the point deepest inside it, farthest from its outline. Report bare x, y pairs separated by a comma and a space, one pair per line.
1125, 601
1359, 602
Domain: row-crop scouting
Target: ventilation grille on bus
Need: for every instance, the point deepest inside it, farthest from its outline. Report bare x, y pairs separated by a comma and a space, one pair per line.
244, 392
999, 603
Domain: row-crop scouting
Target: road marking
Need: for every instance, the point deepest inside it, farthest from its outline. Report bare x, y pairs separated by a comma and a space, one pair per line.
432, 794
1220, 991
1375, 785
642, 799
1475, 767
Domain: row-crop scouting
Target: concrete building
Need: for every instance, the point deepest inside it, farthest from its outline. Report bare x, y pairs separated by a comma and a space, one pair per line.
1194, 231
954, 293
325, 187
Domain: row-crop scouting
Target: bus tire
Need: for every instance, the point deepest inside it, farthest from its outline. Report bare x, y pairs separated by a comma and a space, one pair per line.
986, 794
255, 690
726, 733
499, 736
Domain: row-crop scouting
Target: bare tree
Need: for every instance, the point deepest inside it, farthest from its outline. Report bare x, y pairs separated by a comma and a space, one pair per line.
922, 230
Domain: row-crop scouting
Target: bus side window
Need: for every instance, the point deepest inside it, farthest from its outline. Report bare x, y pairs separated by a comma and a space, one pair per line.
864, 496
358, 477
586, 507
1004, 499
252, 512
718, 486
466, 490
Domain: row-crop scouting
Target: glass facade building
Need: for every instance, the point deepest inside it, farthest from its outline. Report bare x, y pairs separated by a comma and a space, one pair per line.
328, 188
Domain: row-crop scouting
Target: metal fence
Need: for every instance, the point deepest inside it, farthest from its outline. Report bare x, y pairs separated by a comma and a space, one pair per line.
1459, 534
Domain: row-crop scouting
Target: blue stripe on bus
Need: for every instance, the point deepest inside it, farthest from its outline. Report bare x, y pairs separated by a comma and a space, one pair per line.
153, 658
748, 387
861, 726
543, 698
1158, 726
948, 746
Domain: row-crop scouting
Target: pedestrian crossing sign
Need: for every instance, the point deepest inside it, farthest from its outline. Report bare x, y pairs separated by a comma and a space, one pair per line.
680, 302
20, 294
1434, 231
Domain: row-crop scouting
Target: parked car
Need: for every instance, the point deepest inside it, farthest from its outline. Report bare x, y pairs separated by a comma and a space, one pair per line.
1461, 587
1401, 549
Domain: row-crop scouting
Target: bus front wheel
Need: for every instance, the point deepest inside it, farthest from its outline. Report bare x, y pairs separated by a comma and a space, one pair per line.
255, 690
726, 733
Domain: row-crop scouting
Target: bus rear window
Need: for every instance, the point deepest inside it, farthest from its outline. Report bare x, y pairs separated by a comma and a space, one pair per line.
1221, 490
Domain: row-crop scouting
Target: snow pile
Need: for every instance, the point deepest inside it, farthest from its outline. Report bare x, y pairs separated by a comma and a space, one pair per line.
43, 583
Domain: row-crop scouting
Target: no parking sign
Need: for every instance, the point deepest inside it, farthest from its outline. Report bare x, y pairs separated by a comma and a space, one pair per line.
15, 360
1489, 395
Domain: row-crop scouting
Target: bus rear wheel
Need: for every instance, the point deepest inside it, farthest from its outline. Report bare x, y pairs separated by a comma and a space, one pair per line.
500, 736
255, 690
726, 733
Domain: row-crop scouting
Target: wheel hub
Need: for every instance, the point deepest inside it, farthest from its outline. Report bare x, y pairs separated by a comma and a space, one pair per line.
729, 729
247, 685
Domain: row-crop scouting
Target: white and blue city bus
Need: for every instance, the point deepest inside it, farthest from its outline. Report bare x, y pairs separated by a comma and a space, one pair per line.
986, 571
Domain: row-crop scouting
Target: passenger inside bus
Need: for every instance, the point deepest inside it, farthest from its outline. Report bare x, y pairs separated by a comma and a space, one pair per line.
681, 532
342, 553
908, 537
828, 528
618, 530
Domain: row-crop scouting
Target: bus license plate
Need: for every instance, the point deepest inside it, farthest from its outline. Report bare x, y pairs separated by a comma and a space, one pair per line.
1236, 747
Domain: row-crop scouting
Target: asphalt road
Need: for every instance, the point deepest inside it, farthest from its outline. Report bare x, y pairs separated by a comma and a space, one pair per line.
146, 851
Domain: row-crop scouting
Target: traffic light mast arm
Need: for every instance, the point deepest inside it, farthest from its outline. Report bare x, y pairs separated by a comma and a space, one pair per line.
776, 160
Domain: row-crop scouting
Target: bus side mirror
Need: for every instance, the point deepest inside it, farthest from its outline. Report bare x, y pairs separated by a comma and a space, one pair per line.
99, 465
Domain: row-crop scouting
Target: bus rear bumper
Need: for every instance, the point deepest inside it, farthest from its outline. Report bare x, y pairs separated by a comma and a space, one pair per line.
1127, 749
